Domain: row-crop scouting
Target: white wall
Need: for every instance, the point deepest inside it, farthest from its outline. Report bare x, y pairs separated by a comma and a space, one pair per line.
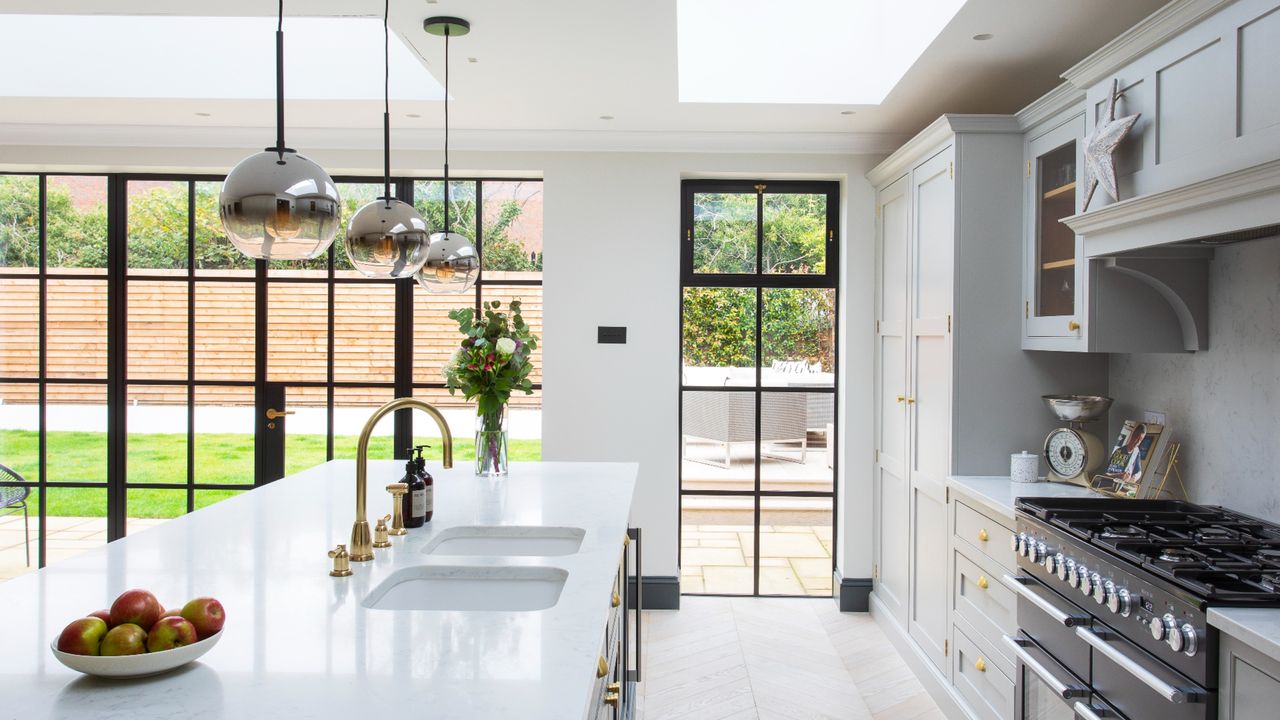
612, 237
1221, 403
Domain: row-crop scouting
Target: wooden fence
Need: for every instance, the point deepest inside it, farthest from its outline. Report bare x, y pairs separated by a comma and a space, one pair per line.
297, 340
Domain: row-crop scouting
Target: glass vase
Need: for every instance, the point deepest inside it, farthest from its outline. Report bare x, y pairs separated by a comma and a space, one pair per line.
491, 444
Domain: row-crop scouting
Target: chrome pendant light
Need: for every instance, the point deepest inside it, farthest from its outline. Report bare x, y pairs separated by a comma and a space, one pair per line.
452, 264
277, 204
387, 238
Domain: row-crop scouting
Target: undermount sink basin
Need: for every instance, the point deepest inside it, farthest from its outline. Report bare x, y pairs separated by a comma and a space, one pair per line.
470, 589
507, 540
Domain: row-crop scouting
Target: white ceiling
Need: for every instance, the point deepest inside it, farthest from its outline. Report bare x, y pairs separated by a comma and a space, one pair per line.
558, 65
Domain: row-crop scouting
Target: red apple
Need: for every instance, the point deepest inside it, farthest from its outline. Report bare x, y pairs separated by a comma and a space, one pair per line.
138, 607
169, 633
206, 614
126, 639
105, 615
83, 636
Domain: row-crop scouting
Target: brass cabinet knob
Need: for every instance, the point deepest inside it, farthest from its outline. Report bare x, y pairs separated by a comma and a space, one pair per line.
602, 667
982, 535
900, 398
1072, 325
982, 582
611, 699
911, 401
980, 665
341, 561
616, 601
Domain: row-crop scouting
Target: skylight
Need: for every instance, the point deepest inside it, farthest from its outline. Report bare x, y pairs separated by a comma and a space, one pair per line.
112, 56
836, 52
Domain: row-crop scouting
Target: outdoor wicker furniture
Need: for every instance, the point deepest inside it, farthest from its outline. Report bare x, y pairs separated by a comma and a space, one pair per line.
13, 499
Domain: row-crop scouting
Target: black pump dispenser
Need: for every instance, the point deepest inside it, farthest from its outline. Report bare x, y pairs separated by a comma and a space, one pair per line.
427, 481
415, 500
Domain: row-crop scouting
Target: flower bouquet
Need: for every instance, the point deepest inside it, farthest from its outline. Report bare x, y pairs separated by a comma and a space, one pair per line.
491, 362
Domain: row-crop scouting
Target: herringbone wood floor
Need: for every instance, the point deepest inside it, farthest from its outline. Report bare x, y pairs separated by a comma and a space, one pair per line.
774, 659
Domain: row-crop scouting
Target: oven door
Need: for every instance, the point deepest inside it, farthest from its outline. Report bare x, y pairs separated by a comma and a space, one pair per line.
1045, 690
1138, 684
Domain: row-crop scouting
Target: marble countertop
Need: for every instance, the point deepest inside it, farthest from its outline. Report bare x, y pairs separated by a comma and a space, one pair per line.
1258, 628
997, 494
298, 643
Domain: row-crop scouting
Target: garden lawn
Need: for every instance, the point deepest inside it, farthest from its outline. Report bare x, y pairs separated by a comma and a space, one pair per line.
220, 459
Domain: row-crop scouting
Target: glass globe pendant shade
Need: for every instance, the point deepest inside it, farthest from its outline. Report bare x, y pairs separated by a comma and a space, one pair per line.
452, 265
278, 205
387, 238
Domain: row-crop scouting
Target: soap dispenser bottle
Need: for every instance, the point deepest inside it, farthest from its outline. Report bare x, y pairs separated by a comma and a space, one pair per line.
428, 481
415, 499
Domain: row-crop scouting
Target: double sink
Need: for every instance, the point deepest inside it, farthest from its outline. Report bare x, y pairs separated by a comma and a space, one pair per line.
482, 587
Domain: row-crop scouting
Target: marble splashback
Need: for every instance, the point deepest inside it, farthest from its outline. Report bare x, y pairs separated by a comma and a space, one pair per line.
1223, 404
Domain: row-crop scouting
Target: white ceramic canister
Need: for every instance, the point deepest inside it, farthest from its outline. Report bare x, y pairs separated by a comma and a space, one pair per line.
1024, 467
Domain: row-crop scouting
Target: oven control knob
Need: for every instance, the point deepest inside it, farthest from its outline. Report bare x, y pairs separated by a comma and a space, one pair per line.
1188, 634
1173, 633
1077, 576
1099, 588
1157, 627
1066, 568
1017, 542
1035, 551
1086, 580
1118, 600
1051, 563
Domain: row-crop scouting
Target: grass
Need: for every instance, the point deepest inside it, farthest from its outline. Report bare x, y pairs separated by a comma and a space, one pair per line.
220, 459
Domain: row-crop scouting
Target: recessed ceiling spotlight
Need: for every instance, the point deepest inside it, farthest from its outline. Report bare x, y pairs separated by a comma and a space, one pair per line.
847, 112
983, 36
204, 114
606, 117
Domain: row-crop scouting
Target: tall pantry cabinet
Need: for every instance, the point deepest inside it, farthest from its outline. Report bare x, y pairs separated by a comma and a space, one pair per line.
955, 394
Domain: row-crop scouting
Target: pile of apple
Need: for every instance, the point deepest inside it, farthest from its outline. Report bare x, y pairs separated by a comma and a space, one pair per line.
138, 623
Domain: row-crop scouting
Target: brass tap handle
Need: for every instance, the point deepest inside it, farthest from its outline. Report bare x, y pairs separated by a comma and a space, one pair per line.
397, 491
380, 539
341, 562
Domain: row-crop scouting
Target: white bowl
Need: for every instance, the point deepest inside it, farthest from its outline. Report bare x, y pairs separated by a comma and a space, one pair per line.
135, 666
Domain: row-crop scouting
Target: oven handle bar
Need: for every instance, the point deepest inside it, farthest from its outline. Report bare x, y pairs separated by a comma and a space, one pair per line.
1066, 691
1087, 712
1018, 585
1164, 689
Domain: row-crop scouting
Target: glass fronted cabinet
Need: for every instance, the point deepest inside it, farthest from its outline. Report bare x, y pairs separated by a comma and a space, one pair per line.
1053, 292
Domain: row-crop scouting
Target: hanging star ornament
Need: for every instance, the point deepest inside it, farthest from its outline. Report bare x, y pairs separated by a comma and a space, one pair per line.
1100, 147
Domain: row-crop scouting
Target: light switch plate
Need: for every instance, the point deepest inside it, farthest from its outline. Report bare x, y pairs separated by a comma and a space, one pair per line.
1151, 416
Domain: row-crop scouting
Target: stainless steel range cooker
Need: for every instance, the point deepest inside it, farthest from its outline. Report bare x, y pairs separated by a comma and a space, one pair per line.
1112, 598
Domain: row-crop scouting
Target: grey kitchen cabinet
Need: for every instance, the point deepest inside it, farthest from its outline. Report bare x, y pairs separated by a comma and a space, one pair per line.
1248, 682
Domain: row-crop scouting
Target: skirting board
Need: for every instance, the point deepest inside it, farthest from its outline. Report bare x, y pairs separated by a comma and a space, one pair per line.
932, 680
661, 592
852, 594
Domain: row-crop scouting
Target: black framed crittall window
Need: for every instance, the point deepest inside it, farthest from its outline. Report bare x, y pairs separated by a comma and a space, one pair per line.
147, 369
758, 297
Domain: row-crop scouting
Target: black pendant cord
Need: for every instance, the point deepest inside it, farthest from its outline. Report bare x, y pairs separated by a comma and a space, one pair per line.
446, 128
386, 104
280, 146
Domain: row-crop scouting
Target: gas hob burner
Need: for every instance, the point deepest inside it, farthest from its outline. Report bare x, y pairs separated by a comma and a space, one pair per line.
1270, 582
1122, 531
1176, 555
1215, 533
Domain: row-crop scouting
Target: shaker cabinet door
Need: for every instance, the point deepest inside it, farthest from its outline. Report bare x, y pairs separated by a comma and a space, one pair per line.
1053, 255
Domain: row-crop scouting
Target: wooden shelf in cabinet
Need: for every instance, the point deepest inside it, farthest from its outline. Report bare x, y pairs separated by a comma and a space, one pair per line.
1070, 262
1059, 191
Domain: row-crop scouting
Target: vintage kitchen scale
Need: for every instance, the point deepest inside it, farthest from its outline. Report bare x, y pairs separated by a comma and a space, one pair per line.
1073, 454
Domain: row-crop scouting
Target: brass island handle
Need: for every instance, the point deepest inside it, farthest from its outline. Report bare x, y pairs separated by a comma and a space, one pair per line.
982, 534
397, 491
341, 561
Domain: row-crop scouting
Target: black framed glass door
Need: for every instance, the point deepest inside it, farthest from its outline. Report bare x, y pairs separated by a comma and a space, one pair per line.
758, 387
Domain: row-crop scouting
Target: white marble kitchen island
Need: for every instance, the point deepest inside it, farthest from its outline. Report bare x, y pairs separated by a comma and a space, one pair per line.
298, 643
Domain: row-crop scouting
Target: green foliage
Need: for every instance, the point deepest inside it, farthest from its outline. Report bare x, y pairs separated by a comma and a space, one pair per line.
794, 233
19, 221
492, 360
719, 326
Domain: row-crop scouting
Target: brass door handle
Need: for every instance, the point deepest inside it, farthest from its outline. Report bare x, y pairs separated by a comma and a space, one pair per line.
980, 665
982, 534
274, 414
1072, 325
982, 582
